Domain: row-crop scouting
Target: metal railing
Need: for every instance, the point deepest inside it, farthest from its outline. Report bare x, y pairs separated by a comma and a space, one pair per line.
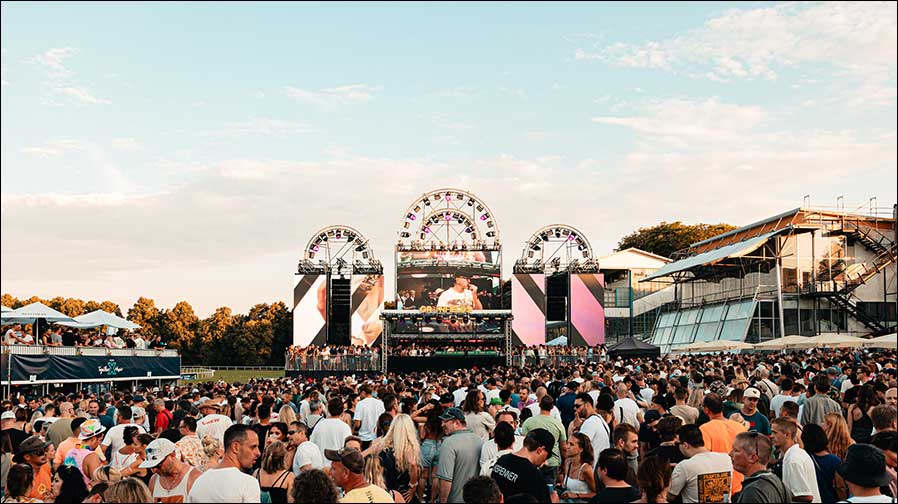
86, 351
369, 362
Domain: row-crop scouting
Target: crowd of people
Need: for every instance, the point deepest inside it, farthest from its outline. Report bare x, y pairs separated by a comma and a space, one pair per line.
57, 336
816, 426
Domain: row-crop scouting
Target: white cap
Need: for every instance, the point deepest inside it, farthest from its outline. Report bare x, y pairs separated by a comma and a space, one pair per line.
157, 450
751, 393
8, 415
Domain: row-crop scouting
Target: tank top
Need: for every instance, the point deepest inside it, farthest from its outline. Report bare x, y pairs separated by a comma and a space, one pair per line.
862, 429
177, 494
276, 493
575, 485
75, 458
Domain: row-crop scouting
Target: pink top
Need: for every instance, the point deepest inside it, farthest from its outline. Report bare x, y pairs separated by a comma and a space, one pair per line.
76, 457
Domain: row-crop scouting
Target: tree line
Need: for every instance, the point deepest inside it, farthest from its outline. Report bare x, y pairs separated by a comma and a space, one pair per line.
224, 338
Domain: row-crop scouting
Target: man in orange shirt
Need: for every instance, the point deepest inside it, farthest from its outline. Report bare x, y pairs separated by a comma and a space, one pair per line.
33, 451
719, 433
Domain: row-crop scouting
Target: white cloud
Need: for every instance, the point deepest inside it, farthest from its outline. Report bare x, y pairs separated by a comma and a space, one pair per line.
54, 148
442, 121
127, 144
81, 95
857, 38
262, 126
54, 61
329, 97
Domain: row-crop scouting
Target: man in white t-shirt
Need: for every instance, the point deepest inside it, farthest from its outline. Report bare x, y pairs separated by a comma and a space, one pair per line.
594, 426
228, 482
625, 409
308, 455
114, 438
799, 473
212, 423
331, 432
490, 450
704, 476
463, 293
534, 408
367, 411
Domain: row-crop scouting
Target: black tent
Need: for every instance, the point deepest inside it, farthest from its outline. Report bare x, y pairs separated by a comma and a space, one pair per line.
632, 347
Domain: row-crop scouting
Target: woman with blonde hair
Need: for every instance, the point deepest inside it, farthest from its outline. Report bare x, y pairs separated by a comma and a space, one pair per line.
128, 490
274, 478
838, 434
214, 452
399, 456
106, 473
286, 415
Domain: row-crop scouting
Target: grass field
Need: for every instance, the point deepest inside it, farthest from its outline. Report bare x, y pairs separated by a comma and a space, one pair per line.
241, 376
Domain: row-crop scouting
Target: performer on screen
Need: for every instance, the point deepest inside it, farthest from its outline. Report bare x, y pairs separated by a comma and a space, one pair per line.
463, 293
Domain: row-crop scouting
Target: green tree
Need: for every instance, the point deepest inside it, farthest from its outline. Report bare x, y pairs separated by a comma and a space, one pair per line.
668, 237
179, 328
282, 324
110, 307
72, 307
214, 332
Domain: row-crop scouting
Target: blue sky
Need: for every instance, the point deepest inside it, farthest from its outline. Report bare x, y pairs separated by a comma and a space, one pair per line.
179, 151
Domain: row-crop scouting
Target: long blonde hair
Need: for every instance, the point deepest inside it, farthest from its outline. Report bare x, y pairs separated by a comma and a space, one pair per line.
837, 433
402, 438
286, 414
128, 490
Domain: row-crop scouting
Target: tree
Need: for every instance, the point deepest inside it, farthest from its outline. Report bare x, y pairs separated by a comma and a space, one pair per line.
666, 238
145, 314
10, 301
179, 328
72, 307
213, 334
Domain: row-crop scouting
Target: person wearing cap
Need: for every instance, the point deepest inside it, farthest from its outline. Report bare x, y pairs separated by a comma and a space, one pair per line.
864, 471
9, 428
72, 442
518, 472
348, 473
459, 456
212, 423
756, 420
33, 451
799, 471
172, 478
462, 293
228, 482
84, 455
114, 439
649, 439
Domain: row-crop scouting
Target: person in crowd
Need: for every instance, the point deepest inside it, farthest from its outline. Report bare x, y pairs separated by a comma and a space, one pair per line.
837, 434
68, 486
228, 482
307, 454
829, 484
625, 408
681, 409
756, 420
19, 484
33, 451
799, 473
518, 472
477, 418
277, 432
213, 452
884, 418
750, 455
9, 428
71, 442
172, 479
314, 486
128, 490
864, 471
704, 475
431, 430
331, 432
546, 421
114, 440
816, 407
577, 478
190, 445
719, 432
482, 489
399, 455
84, 456
163, 416
213, 423
62, 427
612, 470
668, 449
503, 442
348, 472
367, 411
459, 456
785, 395
275, 480
654, 480
105, 473
887, 441
625, 438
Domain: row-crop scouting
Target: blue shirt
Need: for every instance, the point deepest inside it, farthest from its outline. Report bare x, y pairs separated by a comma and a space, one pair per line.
757, 423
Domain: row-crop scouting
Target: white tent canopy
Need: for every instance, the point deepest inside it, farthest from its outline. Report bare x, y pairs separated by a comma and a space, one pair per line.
783, 343
887, 341
561, 340
29, 313
833, 340
100, 318
5, 309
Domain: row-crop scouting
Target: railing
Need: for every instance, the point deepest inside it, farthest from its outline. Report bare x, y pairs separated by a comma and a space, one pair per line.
86, 351
369, 362
552, 360
200, 372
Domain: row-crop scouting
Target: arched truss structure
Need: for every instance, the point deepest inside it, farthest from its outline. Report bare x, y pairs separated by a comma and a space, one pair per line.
557, 247
339, 249
448, 219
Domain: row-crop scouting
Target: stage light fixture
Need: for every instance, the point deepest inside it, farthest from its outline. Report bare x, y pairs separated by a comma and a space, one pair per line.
544, 237
557, 233
448, 197
412, 216
426, 202
427, 229
490, 234
485, 216
365, 254
479, 208
459, 196
448, 217
470, 202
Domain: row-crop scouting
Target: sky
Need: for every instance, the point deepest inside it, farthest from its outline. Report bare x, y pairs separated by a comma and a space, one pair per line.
189, 151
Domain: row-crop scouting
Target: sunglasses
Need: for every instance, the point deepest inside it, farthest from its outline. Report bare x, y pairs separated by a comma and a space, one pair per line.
291, 432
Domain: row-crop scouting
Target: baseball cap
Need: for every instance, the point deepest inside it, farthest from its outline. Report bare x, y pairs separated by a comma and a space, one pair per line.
157, 450
544, 438
139, 398
751, 393
444, 399
349, 457
652, 416
452, 414
138, 411
496, 401
91, 428
8, 415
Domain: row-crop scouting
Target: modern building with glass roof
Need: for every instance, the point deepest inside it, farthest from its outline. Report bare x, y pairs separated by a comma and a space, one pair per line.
806, 271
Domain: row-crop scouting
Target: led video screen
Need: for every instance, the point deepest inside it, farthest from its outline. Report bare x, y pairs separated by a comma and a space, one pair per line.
309, 310
587, 309
367, 302
448, 278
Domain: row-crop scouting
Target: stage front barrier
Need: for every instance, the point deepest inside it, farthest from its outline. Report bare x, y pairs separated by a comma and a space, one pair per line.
364, 363
38, 364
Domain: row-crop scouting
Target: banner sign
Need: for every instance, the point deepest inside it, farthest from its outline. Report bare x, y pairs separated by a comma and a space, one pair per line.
59, 368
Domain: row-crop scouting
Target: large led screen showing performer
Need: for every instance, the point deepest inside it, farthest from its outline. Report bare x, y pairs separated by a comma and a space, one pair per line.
309, 310
367, 301
448, 278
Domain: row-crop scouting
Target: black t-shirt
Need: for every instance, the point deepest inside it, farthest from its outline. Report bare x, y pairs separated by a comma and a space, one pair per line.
615, 495
670, 453
649, 436
516, 475
16, 436
68, 338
